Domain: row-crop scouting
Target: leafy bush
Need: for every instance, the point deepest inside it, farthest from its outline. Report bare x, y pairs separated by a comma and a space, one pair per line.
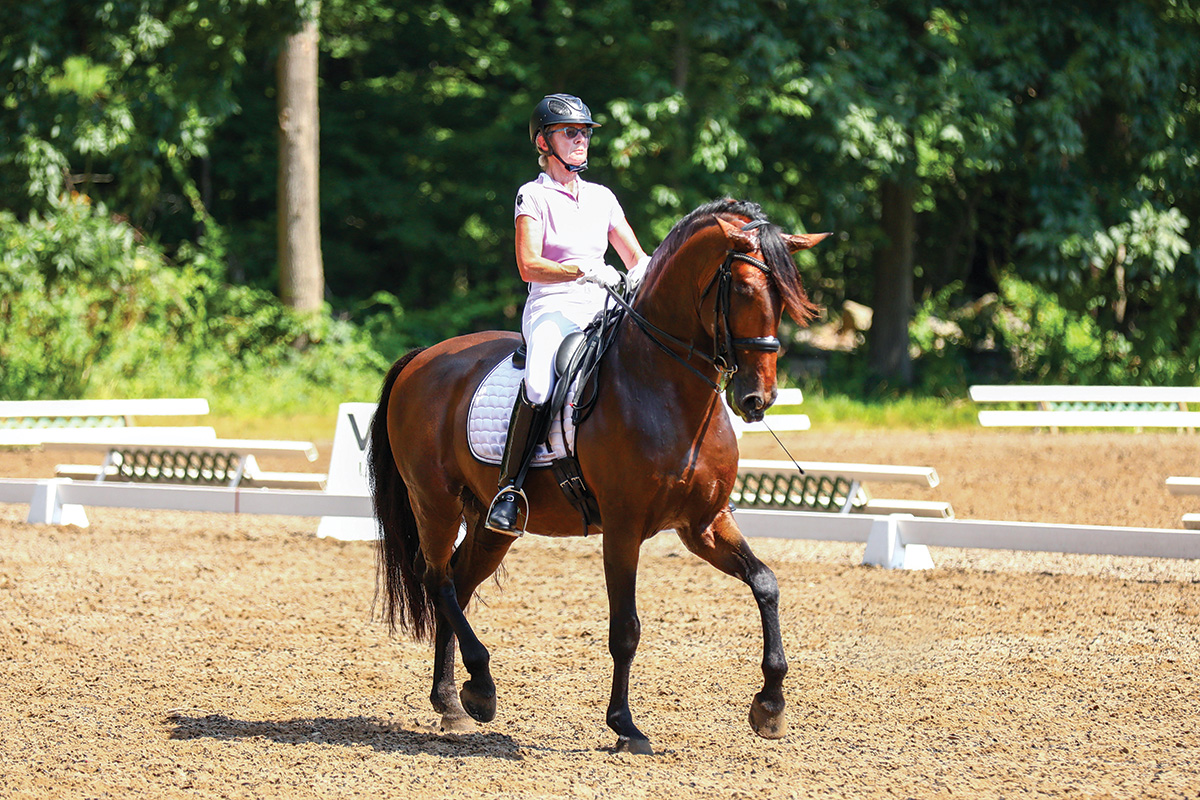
1045, 342
90, 308
395, 329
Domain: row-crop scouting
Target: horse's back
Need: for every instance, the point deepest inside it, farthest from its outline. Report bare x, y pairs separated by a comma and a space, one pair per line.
429, 402
449, 371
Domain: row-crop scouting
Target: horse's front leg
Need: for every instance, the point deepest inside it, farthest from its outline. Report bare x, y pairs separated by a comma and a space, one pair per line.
723, 546
624, 632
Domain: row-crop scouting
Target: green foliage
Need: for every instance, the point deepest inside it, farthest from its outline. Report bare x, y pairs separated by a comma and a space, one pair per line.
1036, 338
1055, 155
1046, 342
89, 308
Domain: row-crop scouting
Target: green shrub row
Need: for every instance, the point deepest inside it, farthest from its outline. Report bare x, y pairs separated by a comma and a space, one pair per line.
88, 308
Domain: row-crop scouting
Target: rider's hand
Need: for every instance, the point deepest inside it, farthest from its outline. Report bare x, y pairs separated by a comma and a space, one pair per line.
598, 273
637, 271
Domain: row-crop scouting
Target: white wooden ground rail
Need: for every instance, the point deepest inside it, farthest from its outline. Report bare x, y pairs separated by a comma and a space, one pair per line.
232, 462
832, 486
777, 421
900, 541
61, 502
95, 413
1179, 485
895, 541
148, 453
1090, 406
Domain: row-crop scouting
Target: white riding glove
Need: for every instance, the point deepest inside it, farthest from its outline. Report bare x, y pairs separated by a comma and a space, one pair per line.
638, 271
598, 273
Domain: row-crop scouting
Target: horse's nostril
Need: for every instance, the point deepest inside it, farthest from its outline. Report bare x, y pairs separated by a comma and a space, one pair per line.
752, 402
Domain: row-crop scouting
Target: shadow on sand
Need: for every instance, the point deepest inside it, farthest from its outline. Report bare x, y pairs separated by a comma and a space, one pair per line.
382, 735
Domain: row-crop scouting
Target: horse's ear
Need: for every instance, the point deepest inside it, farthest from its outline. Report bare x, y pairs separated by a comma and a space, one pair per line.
739, 240
802, 241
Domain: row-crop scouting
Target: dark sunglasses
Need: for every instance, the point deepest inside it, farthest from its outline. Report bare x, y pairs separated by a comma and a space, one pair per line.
574, 133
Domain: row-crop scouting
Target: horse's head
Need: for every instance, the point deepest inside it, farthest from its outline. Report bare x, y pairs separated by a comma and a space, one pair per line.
762, 282
741, 278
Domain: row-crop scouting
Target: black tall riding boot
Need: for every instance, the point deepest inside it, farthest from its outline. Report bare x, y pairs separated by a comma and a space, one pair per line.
526, 430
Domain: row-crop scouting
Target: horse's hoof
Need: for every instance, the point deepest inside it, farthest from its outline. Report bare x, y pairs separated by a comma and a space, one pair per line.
480, 705
639, 747
457, 723
767, 719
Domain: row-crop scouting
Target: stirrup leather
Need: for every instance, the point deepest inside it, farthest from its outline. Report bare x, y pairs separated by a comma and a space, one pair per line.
528, 427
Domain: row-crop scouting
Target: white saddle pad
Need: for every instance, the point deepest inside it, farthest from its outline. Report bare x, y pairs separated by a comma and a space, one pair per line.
491, 409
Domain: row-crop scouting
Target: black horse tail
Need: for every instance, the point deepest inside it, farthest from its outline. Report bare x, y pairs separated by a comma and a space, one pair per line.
400, 564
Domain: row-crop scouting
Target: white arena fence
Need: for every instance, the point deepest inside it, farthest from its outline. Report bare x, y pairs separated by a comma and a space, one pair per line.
892, 541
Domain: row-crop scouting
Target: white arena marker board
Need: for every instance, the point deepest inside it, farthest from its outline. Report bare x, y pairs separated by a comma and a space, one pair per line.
348, 471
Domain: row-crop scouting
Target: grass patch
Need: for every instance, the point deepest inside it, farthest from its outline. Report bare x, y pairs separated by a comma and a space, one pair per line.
828, 411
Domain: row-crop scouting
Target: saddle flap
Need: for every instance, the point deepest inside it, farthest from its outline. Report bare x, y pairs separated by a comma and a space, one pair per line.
566, 351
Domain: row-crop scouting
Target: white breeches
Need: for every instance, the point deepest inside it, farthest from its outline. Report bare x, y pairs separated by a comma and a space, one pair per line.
545, 323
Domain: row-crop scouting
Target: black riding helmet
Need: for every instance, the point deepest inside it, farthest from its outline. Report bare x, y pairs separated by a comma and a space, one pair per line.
556, 109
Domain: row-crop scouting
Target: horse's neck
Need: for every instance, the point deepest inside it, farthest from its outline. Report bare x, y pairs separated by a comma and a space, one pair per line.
672, 303
671, 300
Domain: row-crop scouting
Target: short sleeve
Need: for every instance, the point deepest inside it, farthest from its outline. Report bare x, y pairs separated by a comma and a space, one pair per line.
530, 203
615, 212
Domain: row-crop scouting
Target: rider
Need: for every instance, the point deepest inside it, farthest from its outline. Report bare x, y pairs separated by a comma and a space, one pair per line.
564, 226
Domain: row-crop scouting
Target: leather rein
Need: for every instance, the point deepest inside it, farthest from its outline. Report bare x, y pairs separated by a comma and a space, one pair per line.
725, 344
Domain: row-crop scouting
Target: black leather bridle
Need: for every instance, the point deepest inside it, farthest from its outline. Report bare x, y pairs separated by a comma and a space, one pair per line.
725, 344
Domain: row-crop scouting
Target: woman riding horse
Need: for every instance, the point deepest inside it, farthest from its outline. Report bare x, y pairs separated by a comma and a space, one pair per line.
564, 227
657, 452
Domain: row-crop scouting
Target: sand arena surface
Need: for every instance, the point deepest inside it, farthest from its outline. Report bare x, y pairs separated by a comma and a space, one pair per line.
190, 655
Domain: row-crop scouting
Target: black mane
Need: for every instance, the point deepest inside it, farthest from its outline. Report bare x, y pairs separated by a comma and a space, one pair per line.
774, 250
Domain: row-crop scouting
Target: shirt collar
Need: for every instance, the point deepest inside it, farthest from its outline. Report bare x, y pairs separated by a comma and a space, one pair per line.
545, 180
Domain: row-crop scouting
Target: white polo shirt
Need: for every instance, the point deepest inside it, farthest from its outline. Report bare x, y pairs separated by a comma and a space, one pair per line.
574, 230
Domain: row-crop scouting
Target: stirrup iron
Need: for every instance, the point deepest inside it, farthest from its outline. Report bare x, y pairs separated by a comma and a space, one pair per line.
513, 495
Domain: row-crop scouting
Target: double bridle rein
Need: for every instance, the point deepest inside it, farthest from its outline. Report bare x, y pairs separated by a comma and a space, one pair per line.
725, 344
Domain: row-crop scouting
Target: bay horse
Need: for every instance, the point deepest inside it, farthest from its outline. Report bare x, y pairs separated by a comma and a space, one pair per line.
658, 452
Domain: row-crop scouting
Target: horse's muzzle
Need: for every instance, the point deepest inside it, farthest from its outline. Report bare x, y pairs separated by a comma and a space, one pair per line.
750, 407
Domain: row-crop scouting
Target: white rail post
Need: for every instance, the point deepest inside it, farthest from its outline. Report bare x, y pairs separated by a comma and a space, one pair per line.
886, 547
47, 508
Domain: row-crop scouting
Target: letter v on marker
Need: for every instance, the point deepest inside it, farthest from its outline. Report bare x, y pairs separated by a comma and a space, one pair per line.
361, 439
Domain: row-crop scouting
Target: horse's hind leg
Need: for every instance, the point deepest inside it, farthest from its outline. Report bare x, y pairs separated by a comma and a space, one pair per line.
723, 546
444, 696
474, 562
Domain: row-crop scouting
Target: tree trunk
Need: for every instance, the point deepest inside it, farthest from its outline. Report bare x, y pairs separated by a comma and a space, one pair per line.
301, 271
888, 355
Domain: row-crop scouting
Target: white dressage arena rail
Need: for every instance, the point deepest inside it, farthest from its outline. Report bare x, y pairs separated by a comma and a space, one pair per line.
60, 501
864, 472
892, 540
902, 541
55, 413
106, 438
1090, 406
